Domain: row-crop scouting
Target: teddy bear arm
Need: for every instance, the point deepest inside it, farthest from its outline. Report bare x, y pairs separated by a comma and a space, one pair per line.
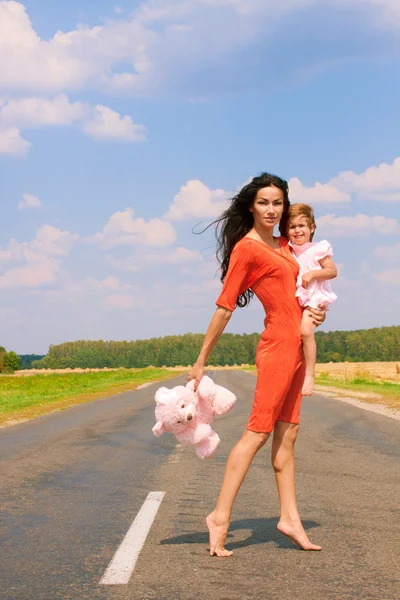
207, 447
194, 435
223, 401
158, 428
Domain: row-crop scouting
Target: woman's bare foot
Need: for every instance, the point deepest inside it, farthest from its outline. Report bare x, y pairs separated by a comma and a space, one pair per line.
218, 530
296, 533
308, 386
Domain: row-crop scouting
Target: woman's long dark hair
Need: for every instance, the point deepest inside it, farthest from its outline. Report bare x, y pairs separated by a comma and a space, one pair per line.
237, 220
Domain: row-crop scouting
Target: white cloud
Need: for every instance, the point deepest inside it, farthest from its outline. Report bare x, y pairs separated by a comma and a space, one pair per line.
133, 263
29, 201
123, 229
177, 256
196, 201
138, 262
50, 241
41, 258
198, 294
12, 253
200, 288
108, 284
391, 253
170, 298
159, 41
69, 60
38, 271
29, 62
120, 302
12, 143
108, 125
318, 193
390, 277
332, 226
381, 183
100, 122
38, 111
208, 268
91, 293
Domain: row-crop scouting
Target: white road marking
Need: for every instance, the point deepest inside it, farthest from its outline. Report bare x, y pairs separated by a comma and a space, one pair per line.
143, 385
123, 563
175, 456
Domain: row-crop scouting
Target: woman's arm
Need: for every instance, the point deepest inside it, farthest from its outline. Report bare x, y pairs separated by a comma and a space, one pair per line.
215, 328
328, 271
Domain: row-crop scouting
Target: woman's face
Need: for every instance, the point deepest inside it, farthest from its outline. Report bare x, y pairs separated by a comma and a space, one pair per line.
268, 207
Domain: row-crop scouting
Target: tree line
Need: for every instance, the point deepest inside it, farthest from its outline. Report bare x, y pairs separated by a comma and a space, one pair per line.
378, 344
364, 345
169, 351
9, 361
27, 360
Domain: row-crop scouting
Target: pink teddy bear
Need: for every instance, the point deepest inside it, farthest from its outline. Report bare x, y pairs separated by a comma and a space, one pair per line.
188, 414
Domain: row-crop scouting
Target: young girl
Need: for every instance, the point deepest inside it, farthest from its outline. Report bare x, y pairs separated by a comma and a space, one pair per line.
313, 289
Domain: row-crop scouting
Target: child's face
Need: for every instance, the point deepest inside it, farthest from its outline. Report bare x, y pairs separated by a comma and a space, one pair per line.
299, 231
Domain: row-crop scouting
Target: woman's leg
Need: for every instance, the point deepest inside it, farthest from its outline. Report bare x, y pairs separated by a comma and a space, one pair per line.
310, 352
282, 456
236, 468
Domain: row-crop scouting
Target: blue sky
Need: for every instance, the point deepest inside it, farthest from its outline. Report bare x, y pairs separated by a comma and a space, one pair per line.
123, 125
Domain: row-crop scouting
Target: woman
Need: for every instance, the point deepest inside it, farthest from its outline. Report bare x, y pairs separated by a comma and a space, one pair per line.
253, 261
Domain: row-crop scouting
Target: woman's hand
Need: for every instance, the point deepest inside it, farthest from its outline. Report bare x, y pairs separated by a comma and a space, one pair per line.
196, 372
318, 315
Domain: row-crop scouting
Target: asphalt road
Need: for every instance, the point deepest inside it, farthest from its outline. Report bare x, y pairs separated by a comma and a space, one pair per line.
73, 482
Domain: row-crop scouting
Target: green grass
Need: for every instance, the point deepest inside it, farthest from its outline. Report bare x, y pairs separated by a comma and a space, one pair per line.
390, 392
26, 397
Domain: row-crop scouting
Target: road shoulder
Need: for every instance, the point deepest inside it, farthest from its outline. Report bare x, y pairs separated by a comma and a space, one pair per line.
364, 400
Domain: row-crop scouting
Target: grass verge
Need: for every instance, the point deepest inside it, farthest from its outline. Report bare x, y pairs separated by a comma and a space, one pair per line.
389, 393
23, 398
378, 392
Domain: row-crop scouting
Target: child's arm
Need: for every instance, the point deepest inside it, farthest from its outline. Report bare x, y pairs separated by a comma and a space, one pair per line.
328, 271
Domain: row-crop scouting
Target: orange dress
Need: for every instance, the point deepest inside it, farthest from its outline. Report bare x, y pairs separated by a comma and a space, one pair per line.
271, 275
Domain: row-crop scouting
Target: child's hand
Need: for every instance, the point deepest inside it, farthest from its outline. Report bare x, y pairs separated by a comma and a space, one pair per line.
307, 279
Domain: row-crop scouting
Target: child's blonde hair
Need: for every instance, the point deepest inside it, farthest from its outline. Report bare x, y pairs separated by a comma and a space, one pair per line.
302, 210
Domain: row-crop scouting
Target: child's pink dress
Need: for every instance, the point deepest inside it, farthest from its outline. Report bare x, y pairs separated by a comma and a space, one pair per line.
308, 256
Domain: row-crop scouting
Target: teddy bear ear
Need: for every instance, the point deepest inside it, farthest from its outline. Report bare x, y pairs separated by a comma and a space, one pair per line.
162, 395
158, 428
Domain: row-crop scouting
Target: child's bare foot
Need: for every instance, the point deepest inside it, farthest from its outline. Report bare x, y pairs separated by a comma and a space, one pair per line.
308, 386
218, 530
295, 531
